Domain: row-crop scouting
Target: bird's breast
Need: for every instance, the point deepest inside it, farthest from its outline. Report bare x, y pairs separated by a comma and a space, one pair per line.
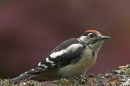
81, 66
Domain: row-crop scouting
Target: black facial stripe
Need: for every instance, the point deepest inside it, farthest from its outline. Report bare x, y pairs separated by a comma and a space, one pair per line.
83, 43
93, 54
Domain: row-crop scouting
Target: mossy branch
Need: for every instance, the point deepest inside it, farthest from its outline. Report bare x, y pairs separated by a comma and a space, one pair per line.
118, 77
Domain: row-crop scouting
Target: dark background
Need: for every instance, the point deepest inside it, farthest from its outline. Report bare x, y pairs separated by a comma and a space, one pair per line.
30, 29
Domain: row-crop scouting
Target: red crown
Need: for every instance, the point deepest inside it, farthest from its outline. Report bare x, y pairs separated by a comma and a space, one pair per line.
92, 31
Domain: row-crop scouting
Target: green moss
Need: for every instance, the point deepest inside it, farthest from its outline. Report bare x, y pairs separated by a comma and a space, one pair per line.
65, 81
6, 82
118, 77
33, 83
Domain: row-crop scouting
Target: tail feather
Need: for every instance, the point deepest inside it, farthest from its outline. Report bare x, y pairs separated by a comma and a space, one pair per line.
22, 77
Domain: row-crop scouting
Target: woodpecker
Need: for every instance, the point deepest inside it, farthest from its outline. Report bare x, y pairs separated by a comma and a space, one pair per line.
72, 57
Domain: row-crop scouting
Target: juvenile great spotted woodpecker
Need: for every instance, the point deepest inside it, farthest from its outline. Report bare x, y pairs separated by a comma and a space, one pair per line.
71, 58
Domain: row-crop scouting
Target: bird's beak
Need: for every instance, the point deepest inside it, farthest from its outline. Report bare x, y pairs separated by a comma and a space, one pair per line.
104, 37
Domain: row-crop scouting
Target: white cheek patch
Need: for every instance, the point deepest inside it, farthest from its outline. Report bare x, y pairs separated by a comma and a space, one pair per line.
72, 48
42, 65
83, 38
47, 60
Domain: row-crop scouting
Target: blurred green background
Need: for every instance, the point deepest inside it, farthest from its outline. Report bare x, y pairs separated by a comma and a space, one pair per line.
30, 29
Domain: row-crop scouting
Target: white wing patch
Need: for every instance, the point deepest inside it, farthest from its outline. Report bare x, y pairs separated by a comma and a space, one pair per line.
72, 48
39, 64
59, 53
47, 60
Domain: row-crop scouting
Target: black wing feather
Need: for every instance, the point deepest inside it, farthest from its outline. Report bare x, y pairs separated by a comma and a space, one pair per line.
64, 59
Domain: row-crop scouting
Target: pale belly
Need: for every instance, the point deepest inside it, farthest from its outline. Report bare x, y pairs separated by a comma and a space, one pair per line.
78, 68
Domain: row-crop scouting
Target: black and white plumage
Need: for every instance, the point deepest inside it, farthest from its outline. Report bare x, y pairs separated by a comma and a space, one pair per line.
71, 58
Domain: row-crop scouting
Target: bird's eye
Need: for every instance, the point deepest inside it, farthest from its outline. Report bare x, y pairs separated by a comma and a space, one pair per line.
91, 35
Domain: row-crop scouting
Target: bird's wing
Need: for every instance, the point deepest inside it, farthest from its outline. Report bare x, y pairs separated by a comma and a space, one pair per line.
67, 52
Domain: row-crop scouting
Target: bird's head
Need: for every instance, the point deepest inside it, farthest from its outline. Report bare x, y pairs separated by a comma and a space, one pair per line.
93, 39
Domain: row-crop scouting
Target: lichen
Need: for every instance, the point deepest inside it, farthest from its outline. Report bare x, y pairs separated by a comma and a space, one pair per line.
118, 77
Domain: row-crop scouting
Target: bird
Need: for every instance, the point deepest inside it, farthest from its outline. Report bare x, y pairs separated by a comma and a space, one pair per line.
72, 57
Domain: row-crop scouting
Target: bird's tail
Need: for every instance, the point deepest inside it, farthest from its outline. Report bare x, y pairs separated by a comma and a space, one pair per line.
22, 77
